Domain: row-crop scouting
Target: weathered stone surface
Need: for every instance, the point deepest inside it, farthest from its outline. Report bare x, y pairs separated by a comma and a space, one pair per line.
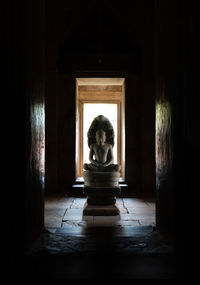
101, 254
101, 196
101, 179
140, 240
130, 214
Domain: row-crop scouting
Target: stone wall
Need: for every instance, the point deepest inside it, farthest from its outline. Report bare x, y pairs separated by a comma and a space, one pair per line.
35, 129
176, 119
23, 126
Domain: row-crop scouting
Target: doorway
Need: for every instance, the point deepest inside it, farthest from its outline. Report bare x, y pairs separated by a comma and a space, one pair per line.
100, 96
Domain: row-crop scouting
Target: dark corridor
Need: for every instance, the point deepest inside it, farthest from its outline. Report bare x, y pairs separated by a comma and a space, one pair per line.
155, 46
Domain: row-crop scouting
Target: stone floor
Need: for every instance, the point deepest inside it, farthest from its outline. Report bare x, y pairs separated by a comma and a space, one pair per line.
74, 247
64, 215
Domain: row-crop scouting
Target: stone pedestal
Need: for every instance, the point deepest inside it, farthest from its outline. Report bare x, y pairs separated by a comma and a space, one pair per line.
101, 189
101, 179
100, 210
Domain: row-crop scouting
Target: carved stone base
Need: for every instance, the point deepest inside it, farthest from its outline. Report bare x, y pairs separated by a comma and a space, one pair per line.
100, 210
101, 189
100, 195
101, 179
101, 201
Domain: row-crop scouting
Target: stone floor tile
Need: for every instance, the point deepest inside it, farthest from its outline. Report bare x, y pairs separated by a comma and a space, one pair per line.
147, 221
151, 204
134, 203
137, 206
52, 230
129, 223
122, 209
58, 202
131, 210
55, 212
119, 201
52, 221
133, 200
78, 203
142, 211
127, 217
68, 212
76, 223
73, 214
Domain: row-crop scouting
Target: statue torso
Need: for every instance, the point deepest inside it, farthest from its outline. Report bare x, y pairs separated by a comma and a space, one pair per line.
101, 152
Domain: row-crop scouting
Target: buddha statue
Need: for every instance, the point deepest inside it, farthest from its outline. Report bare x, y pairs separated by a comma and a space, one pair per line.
101, 142
101, 175
101, 171
101, 155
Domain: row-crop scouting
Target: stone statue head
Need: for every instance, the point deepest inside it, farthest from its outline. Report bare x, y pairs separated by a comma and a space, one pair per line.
100, 126
100, 137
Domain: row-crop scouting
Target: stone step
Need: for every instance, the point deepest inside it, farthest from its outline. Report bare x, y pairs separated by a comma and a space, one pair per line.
129, 231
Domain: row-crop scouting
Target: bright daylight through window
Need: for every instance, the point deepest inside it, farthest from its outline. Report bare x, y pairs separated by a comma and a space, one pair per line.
92, 110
